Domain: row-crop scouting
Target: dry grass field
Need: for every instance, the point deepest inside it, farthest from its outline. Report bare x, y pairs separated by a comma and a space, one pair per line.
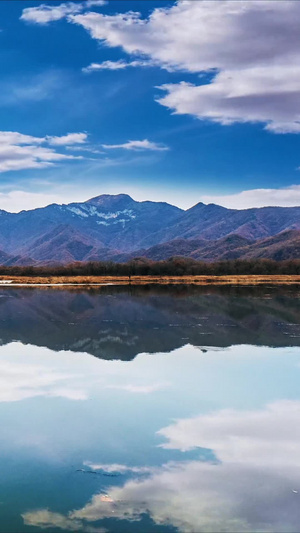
242, 280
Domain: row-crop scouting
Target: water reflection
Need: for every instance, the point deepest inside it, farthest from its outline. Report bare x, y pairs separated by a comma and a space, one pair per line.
187, 420
119, 323
254, 485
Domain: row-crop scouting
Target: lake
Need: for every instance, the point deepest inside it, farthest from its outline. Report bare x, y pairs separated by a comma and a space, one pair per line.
150, 409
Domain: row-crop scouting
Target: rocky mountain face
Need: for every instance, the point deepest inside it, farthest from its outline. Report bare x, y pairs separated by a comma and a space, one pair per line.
117, 228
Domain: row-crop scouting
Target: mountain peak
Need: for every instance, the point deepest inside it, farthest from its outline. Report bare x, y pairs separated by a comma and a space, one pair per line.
110, 200
207, 207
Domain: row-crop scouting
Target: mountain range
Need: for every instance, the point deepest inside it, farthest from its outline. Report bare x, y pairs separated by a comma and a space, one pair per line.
118, 228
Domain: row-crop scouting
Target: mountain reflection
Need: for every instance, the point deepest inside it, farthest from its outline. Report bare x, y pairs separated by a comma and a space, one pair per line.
120, 322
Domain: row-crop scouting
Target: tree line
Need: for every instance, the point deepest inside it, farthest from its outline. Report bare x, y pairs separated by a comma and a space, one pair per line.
175, 266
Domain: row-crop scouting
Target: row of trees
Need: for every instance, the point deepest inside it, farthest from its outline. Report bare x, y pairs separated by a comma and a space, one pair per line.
175, 266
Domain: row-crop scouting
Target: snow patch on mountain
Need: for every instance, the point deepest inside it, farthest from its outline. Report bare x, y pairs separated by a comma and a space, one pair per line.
119, 221
77, 211
108, 216
86, 210
90, 210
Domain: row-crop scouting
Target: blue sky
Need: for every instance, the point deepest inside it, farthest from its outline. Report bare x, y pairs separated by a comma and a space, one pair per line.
146, 97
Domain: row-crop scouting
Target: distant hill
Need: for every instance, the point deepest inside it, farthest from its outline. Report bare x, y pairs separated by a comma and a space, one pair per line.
117, 228
284, 246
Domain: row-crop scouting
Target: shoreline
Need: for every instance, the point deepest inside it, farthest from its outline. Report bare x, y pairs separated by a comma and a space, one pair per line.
100, 281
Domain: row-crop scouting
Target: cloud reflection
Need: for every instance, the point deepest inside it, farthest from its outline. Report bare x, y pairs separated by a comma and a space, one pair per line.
45, 519
252, 486
30, 371
141, 389
20, 381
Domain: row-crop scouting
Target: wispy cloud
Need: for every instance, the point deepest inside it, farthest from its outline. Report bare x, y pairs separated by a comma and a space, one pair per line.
117, 65
25, 88
140, 389
21, 381
111, 468
19, 151
137, 145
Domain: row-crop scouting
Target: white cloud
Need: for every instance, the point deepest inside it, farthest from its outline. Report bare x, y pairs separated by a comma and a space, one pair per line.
14, 157
255, 81
67, 140
43, 14
116, 65
14, 137
270, 95
137, 145
184, 36
19, 151
284, 197
93, 3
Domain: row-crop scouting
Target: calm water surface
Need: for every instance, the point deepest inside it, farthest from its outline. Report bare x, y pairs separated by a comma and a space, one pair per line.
150, 410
